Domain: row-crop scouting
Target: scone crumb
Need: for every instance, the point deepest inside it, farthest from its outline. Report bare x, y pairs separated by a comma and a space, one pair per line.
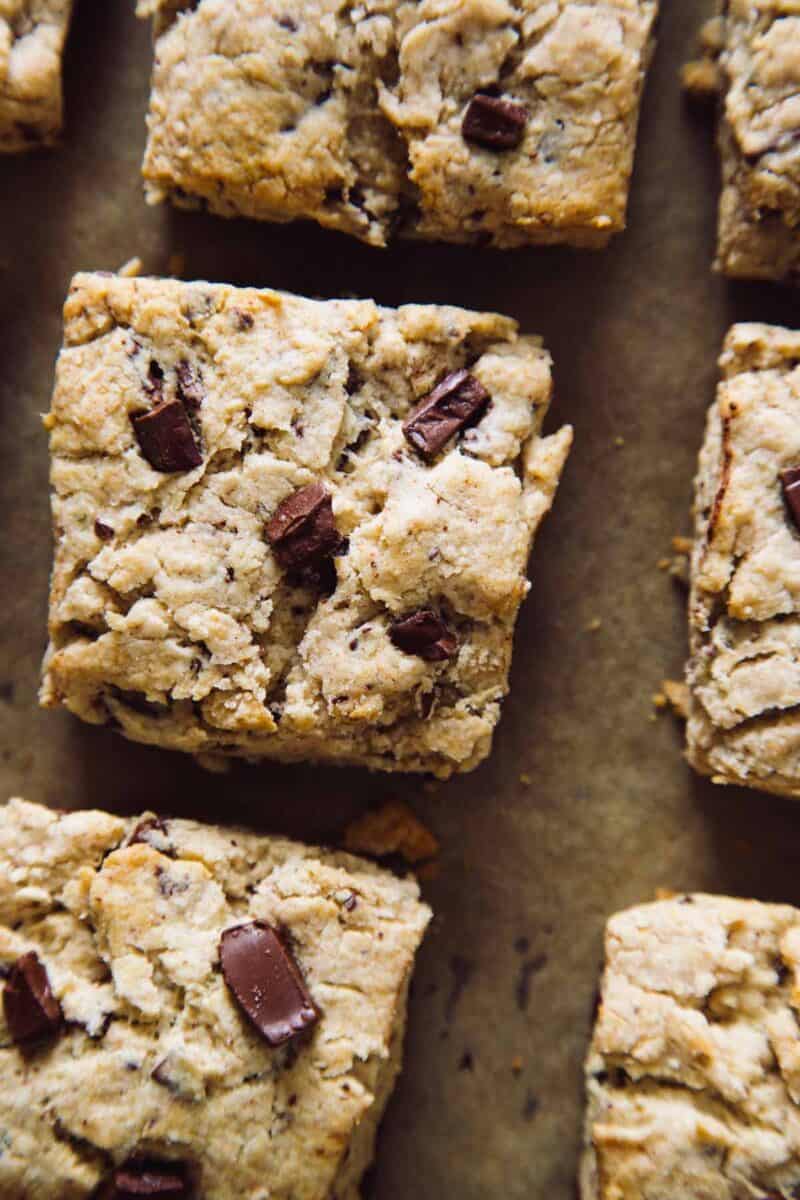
391, 829
131, 268
663, 893
593, 625
517, 1064
676, 694
525, 779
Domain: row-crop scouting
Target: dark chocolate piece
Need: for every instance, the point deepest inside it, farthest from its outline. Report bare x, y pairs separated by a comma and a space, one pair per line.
266, 982
31, 1010
147, 1177
103, 531
790, 485
493, 122
302, 532
190, 385
166, 438
458, 401
424, 634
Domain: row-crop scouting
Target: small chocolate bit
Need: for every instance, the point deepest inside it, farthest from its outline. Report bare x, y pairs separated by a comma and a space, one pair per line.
424, 634
458, 401
266, 982
790, 485
103, 531
302, 532
190, 385
31, 1010
493, 122
165, 437
147, 1177
145, 829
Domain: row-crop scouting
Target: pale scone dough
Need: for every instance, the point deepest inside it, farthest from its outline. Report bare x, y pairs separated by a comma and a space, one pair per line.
693, 1075
751, 57
155, 1055
351, 114
744, 669
32, 35
180, 627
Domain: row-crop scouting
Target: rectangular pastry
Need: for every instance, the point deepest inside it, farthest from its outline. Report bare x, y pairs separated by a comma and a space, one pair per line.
752, 58
744, 669
479, 120
189, 1011
693, 1076
292, 529
32, 36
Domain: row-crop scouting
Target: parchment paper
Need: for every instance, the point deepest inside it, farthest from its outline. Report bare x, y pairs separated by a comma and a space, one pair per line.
528, 871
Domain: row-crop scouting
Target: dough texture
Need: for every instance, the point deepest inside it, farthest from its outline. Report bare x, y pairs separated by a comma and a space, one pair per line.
693, 1075
352, 115
744, 669
155, 1056
170, 615
32, 35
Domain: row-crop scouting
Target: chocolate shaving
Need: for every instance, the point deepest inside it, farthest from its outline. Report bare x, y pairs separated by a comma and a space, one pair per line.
458, 401
31, 1010
148, 1177
425, 634
266, 982
494, 123
790, 486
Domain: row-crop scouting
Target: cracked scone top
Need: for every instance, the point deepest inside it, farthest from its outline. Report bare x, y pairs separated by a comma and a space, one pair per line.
332, 580
365, 118
744, 609
693, 1076
32, 34
154, 1060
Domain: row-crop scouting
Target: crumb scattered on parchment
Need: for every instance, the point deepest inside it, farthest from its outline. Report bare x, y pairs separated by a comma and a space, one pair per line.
619, 442
391, 829
516, 1064
593, 625
674, 695
131, 268
525, 779
677, 563
702, 78
663, 893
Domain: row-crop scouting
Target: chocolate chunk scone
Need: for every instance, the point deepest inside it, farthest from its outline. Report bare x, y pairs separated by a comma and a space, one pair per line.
693, 1075
752, 59
32, 35
289, 528
193, 1012
744, 670
473, 120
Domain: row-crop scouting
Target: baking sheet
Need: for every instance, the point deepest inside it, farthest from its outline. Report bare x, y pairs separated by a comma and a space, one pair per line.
610, 812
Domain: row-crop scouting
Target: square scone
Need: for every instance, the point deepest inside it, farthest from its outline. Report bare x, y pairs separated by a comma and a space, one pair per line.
191, 1010
692, 1077
744, 608
292, 529
32, 36
461, 120
752, 59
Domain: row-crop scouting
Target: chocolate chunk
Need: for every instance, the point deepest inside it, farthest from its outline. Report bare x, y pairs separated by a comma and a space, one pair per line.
302, 532
266, 981
457, 402
424, 634
148, 1177
790, 484
103, 531
165, 437
145, 830
190, 385
493, 122
31, 1010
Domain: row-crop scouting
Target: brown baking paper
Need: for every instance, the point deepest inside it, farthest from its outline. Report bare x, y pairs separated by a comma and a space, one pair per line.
586, 804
